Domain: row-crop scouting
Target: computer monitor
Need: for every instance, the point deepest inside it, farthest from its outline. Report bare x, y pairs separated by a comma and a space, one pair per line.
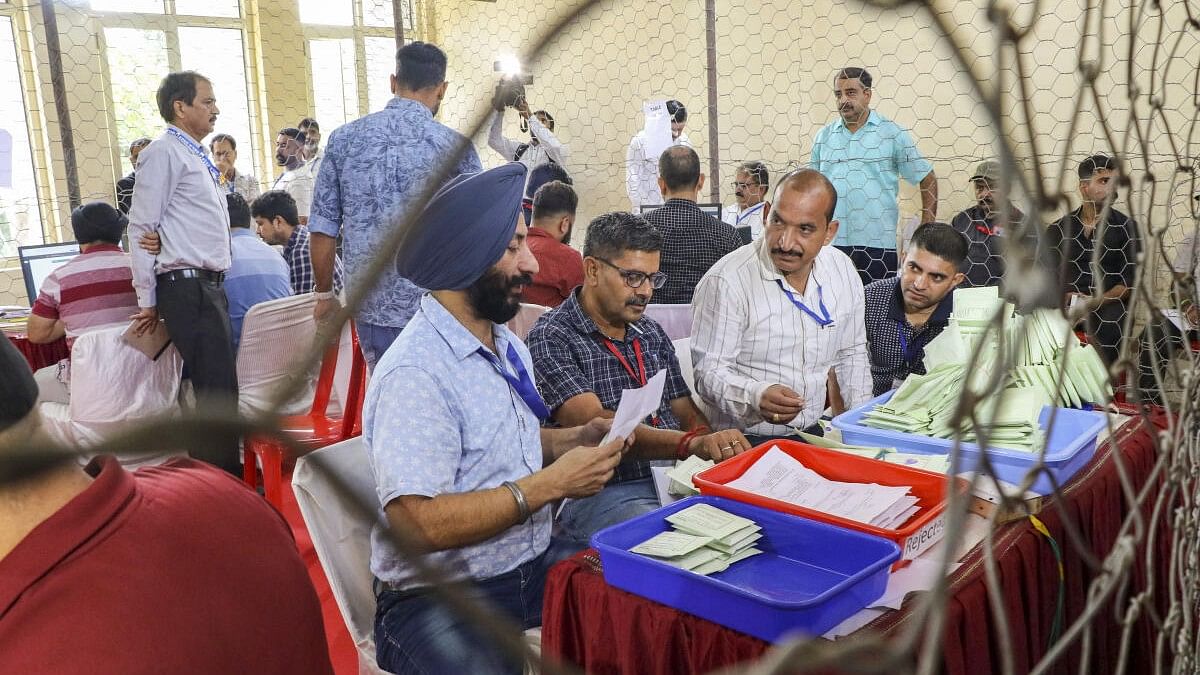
37, 262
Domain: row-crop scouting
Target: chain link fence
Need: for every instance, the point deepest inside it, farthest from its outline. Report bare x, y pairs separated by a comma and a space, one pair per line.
1036, 86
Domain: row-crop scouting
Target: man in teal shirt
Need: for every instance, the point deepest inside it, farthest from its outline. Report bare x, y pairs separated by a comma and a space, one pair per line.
864, 155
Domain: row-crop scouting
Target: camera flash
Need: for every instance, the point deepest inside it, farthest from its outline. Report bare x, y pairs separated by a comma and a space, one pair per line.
508, 64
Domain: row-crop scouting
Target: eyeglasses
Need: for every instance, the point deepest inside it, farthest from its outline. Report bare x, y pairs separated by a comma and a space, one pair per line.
635, 279
743, 186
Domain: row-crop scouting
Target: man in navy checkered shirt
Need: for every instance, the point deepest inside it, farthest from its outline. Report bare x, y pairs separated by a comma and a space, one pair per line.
904, 313
597, 343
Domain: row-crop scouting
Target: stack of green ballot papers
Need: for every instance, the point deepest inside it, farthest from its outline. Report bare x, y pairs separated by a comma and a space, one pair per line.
1035, 348
683, 471
705, 540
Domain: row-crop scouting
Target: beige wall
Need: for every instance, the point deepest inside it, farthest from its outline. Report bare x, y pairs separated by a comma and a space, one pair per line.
775, 59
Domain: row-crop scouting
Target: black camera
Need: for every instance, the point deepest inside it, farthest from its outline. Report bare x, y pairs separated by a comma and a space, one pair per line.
510, 91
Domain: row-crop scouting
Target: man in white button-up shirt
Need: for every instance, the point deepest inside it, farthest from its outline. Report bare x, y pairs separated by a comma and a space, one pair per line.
771, 319
178, 197
641, 168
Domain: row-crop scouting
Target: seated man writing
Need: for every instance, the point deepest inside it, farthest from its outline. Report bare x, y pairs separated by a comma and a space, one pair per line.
771, 318
905, 313
598, 343
451, 420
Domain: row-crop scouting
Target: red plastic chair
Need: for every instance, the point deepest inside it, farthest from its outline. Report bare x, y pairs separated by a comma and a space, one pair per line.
312, 431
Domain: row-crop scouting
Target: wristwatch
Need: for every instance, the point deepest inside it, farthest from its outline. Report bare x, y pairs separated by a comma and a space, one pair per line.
325, 295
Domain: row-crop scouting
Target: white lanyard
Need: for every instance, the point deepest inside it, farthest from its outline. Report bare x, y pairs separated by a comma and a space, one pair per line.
749, 212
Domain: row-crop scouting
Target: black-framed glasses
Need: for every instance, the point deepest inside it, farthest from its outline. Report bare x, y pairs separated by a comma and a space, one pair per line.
635, 278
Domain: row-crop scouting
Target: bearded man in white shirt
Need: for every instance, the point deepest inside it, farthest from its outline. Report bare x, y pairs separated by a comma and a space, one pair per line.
770, 319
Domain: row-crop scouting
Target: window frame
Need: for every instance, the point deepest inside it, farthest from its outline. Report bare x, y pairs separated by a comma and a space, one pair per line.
358, 32
169, 22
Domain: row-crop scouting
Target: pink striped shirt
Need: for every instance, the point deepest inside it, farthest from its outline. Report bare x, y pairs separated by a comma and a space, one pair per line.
93, 289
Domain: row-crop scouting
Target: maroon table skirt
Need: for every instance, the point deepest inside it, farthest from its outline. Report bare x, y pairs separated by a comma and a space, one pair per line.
40, 356
605, 630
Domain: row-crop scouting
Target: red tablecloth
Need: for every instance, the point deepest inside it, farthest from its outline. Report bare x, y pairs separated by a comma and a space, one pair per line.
39, 356
605, 630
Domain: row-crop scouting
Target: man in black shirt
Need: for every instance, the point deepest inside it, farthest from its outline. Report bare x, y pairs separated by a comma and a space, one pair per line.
126, 183
981, 225
693, 241
1084, 234
905, 313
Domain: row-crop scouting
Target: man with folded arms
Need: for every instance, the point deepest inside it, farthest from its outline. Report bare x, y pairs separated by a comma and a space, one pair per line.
598, 343
905, 313
771, 318
451, 420
178, 196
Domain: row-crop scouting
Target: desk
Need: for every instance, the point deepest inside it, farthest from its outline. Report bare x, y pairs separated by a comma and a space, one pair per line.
39, 356
605, 630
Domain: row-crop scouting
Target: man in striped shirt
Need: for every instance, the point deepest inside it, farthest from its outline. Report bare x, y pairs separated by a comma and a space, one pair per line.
92, 290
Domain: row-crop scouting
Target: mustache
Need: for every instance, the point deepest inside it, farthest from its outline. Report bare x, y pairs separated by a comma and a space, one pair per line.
637, 301
783, 251
519, 280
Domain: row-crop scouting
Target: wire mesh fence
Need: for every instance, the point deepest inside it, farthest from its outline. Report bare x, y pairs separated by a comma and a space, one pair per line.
1035, 86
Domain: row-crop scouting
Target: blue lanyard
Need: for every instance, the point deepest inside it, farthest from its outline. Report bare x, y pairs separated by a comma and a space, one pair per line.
753, 209
823, 320
904, 351
197, 150
521, 382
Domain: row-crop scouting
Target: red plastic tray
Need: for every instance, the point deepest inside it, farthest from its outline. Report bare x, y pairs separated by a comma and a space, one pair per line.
916, 536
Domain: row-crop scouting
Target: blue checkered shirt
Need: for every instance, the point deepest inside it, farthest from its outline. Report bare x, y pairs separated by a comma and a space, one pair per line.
570, 358
300, 263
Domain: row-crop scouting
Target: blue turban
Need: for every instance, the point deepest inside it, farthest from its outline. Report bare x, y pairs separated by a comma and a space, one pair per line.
464, 229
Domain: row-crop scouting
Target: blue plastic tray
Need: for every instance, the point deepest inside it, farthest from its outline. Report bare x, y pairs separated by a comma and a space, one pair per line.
809, 578
1072, 443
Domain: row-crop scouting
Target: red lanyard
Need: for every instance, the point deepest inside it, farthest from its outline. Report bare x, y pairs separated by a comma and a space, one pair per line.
638, 377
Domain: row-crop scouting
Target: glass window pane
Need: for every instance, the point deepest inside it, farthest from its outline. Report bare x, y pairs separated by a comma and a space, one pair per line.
207, 8
327, 12
381, 63
137, 61
20, 218
140, 6
377, 13
334, 83
216, 53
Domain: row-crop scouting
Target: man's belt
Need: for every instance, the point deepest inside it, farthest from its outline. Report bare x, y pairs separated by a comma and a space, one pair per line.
192, 273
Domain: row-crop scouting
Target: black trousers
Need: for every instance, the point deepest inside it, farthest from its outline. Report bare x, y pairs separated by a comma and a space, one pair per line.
1160, 342
196, 313
872, 264
1106, 325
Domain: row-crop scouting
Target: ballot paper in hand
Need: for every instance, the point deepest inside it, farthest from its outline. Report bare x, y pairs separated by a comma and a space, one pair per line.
682, 473
636, 405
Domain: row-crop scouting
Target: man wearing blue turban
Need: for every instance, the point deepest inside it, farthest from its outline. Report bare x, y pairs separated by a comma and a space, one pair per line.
452, 424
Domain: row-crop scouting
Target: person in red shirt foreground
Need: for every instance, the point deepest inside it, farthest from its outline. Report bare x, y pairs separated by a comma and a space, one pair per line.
176, 568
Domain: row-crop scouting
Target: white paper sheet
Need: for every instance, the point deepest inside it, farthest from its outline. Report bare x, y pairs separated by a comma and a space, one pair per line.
636, 405
656, 134
779, 476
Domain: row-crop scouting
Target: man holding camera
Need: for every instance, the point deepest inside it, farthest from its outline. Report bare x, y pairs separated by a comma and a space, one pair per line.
543, 146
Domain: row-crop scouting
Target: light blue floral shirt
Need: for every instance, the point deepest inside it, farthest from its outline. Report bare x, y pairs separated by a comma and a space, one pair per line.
372, 168
439, 419
865, 168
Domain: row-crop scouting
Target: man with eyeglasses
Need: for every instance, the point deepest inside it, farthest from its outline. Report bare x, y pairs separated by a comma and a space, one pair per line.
597, 343
693, 241
750, 189
772, 318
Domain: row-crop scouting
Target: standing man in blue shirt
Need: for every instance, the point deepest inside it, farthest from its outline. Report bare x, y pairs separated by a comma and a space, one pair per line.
178, 196
372, 169
864, 155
